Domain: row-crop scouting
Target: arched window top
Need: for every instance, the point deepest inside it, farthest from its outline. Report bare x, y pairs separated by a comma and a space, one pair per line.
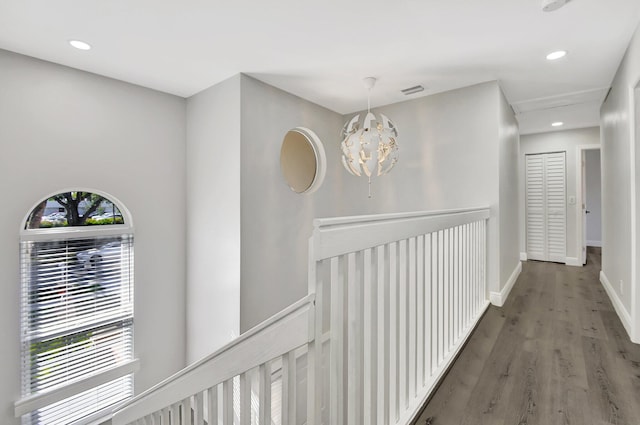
77, 310
75, 209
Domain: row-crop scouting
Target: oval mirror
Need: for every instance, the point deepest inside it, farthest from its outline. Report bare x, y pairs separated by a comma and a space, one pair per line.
302, 160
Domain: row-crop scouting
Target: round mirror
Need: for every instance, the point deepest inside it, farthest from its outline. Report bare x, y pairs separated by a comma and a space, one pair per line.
302, 160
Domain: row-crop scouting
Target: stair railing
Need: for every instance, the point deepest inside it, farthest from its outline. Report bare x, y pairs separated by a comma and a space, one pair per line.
392, 299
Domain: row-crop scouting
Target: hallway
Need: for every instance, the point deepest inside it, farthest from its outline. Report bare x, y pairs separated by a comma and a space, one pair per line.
556, 353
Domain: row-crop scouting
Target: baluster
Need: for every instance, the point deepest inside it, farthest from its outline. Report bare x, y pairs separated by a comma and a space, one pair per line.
393, 334
164, 416
413, 321
354, 338
441, 300
212, 405
289, 388
434, 300
264, 412
403, 382
420, 285
337, 341
227, 402
186, 411
315, 381
383, 331
428, 303
466, 275
447, 297
370, 369
245, 399
461, 280
484, 260
475, 270
455, 287
198, 410
174, 410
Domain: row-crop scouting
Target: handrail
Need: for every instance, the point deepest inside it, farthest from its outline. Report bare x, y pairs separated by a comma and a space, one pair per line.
369, 218
340, 235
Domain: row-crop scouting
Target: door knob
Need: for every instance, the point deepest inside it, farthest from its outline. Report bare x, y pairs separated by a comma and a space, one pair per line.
587, 211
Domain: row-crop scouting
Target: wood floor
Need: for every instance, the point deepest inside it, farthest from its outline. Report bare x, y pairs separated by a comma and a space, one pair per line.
556, 353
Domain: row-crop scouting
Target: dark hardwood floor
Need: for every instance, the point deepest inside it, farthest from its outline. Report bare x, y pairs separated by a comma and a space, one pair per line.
556, 353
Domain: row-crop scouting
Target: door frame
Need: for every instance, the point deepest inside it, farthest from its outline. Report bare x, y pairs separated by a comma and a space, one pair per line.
546, 256
581, 220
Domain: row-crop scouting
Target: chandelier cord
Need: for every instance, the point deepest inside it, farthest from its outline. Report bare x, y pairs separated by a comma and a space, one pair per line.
369, 100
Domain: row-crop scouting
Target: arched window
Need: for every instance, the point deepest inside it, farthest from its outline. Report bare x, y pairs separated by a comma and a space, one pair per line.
76, 256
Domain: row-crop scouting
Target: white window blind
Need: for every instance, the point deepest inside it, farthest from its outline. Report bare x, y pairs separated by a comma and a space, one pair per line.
77, 321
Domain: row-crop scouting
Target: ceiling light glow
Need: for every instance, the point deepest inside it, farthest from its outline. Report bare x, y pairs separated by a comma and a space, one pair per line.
81, 45
556, 55
557, 124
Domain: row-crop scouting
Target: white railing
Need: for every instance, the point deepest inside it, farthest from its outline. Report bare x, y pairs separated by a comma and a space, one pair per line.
221, 388
392, 299
404, 291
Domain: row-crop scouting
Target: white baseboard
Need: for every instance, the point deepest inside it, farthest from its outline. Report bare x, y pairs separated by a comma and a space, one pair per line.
499, 298
623, 314
523, 256
573, 261
594, 243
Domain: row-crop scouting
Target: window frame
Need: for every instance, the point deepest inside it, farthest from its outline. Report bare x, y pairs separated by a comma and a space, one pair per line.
36, 401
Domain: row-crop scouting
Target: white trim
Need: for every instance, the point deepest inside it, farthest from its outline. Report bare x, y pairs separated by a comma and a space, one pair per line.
126, 215
38, 401
499, 298
594, 243
88, 232
579, 201
635, 304
623, 314
523, 256
573, 261
321, 158
336, 221
338, 236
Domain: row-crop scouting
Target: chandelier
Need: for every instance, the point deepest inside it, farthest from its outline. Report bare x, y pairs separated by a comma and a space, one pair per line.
369, 146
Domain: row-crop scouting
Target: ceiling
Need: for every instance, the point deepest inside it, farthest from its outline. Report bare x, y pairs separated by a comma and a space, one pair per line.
321, 50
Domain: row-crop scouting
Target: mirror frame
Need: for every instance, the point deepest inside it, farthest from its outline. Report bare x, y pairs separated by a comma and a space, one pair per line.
320, 158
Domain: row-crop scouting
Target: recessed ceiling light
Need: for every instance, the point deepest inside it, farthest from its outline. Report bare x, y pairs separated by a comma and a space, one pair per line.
556, 55
80, 44
557, 124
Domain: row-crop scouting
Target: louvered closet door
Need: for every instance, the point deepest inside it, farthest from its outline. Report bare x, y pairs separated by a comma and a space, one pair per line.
536, 217
546, 207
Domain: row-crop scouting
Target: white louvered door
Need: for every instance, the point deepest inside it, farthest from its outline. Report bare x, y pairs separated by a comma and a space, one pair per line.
546, 207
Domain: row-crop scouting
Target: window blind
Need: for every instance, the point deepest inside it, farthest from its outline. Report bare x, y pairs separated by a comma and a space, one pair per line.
77, 321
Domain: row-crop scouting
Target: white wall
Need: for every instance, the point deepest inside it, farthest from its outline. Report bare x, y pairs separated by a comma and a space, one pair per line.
61, 128
593, 196
449, 158
276, 222
620, 184
509, 217
213, 218
557, 141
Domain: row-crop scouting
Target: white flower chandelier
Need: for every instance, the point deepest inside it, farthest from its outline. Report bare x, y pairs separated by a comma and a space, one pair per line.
369, 147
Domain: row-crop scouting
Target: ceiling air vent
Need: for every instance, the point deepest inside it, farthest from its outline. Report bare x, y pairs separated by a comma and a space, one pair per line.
412, 90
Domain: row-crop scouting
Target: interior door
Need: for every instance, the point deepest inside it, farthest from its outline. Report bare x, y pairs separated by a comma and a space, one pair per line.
546, 207
535, 208
584, 208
